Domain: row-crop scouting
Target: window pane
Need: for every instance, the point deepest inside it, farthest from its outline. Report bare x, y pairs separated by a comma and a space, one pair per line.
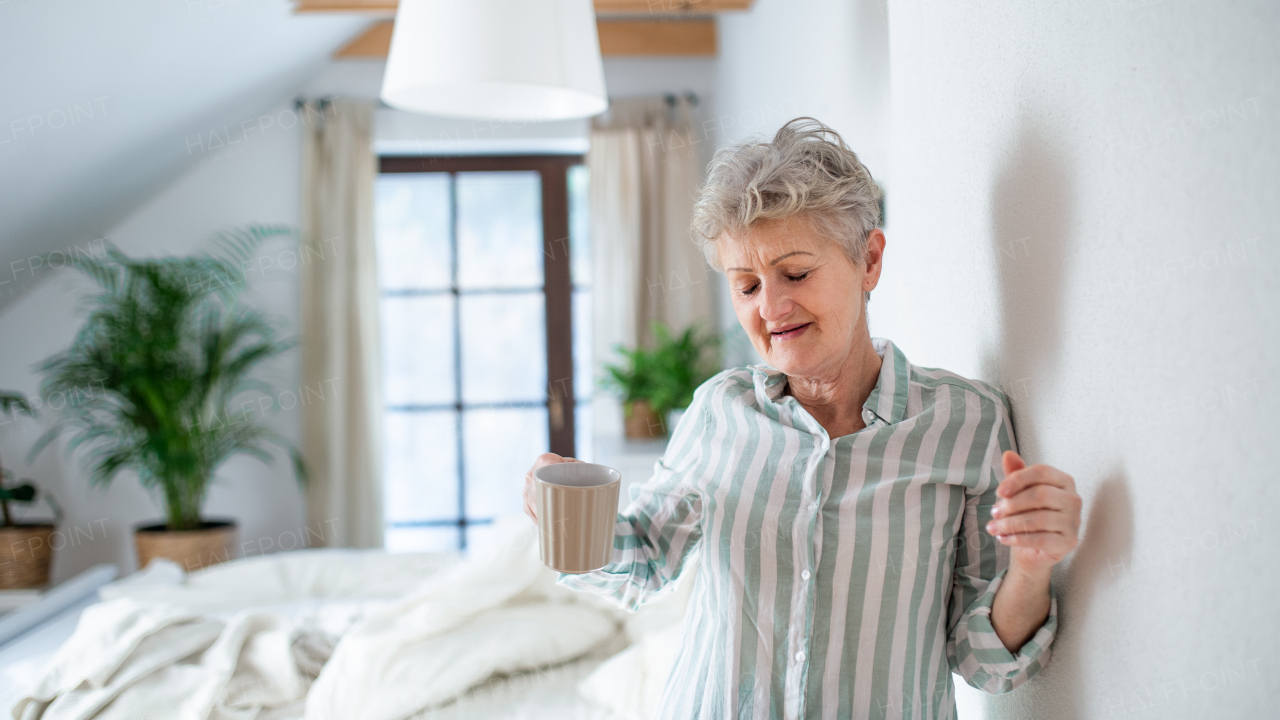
504, 347
499, 229
421, 465
580, 224
583, 372
422, 539
583, 435
499, 447
481, 536
417, 350
411, 224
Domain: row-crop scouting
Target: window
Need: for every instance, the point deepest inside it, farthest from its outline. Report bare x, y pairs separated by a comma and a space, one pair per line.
485, 335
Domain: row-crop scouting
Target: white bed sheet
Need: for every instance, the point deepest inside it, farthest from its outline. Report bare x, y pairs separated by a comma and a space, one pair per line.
543, 694
329, 590
22, 660
548, 693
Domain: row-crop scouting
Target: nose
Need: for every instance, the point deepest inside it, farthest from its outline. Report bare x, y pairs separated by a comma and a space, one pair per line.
775, 301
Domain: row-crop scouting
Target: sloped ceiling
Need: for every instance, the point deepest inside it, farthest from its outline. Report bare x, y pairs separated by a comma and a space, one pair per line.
102, 103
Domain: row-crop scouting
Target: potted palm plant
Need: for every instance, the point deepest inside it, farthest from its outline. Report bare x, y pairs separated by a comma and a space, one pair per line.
25, 550
151, 378
654, 382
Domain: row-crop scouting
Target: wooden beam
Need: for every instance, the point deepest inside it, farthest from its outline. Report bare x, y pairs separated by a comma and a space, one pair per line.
657, 37
668, 7
603, 7
377, 7
650, 38
372, 44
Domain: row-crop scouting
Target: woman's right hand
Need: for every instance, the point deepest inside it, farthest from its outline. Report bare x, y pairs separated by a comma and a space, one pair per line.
530, 499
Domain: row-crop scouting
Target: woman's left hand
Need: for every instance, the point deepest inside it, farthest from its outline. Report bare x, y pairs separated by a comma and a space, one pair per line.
1038, 514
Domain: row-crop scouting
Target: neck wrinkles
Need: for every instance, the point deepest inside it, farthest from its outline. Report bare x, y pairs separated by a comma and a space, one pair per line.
835, 400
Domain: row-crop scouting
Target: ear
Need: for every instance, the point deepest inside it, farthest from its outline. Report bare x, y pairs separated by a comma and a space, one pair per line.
873, 258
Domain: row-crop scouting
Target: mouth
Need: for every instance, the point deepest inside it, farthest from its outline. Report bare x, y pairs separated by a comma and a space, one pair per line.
787, 332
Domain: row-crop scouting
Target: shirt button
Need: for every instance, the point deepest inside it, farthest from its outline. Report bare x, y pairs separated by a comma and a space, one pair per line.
813, 506
804, 575
868, 416
800, 656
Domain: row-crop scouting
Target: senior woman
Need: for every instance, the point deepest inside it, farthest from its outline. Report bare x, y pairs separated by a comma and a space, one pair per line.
865, 525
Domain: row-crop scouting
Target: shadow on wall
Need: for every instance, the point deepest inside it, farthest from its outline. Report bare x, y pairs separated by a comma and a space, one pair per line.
1106, 544
1032, 216
1059, 692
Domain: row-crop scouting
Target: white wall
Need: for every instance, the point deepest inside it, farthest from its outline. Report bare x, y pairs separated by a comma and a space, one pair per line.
252, 181
252, 176
399, 132
1084, 208
98, 99
827, 59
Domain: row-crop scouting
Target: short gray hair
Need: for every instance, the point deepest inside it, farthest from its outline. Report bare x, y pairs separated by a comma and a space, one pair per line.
806, 171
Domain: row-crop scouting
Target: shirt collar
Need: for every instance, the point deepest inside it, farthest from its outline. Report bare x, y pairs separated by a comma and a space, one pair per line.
887, 401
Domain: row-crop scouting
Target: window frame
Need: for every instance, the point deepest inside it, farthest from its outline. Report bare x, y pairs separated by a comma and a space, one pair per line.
557, 289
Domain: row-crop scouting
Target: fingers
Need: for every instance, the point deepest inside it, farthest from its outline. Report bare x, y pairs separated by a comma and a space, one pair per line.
541, 461
1055, 545
1033, 522
1012, 462
1037, 497
1019, 480
545, 459
1038, 510
530, 488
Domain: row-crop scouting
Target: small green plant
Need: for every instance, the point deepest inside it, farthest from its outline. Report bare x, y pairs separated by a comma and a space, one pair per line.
26, 491
152, 374
666, 375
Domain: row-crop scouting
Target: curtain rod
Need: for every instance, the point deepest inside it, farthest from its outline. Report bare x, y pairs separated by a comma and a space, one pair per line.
690, 96
299, 101
671, 98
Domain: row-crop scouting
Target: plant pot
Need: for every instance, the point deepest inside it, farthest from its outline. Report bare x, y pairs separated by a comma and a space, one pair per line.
25, 554
210, 544
640, 422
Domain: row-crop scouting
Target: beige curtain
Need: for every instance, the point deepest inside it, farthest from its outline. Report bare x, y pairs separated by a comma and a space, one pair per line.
646, 162
340, 353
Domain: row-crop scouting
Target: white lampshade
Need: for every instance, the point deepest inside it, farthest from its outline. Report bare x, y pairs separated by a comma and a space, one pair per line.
499, 59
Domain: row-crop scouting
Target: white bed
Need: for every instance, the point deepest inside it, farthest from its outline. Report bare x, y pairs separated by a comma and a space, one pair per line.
488, 636
549, 692
23, 658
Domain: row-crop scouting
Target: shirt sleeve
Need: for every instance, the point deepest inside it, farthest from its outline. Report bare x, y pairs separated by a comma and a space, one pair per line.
973, 648
662, 524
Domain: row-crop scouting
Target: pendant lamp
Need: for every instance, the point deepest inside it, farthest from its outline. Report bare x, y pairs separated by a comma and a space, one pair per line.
496, 59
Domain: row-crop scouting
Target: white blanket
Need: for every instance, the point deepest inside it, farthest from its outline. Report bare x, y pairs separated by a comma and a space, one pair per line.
285, 578
155, 651
131, 660
499, 612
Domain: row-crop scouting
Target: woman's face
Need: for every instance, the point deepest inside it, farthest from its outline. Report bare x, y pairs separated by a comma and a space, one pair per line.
798, 295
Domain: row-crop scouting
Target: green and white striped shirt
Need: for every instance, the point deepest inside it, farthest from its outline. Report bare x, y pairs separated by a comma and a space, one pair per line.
838, 578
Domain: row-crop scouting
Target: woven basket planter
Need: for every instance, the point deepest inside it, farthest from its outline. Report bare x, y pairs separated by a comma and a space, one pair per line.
25, 554
210, 544
640, 422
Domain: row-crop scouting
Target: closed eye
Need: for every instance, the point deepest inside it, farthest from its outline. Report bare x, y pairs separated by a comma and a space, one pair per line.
746, 292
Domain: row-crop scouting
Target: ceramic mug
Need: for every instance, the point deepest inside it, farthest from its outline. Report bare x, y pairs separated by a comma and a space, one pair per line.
577, 506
